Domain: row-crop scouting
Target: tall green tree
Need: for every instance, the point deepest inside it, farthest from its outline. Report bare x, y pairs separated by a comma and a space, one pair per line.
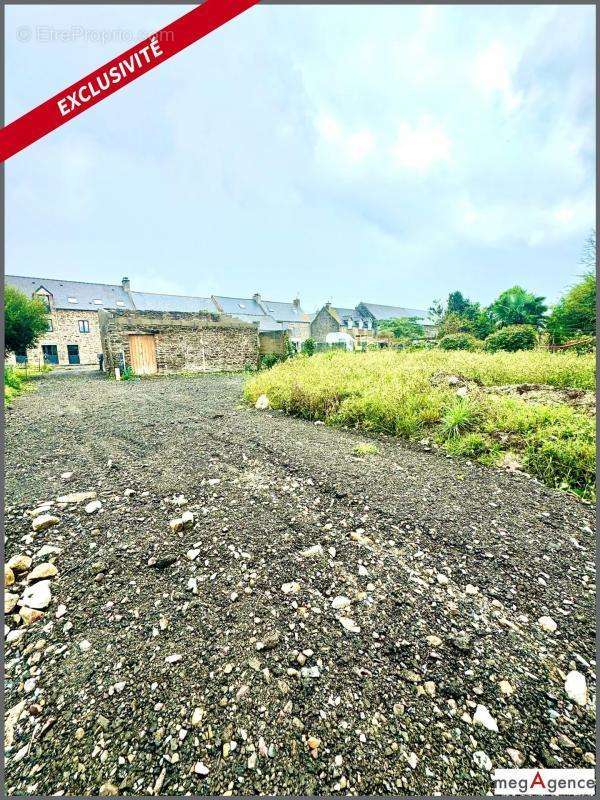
517, 306
461, 305
25, 320
575, 313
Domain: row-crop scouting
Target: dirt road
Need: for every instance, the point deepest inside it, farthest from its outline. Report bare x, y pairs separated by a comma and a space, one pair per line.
327, 623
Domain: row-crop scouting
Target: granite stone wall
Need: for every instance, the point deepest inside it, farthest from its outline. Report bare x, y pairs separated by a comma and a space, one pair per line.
201, 342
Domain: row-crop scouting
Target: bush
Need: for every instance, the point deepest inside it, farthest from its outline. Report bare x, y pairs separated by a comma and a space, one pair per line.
270, 359
512, 338
12, 379
309, 347
458, 341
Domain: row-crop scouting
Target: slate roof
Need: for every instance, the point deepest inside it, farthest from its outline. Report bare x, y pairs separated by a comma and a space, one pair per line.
285, 312
393, 312
239, 305
85, 294
151, 301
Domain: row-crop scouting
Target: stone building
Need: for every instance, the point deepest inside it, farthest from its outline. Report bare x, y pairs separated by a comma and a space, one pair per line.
73, 335
152, 342
362, 322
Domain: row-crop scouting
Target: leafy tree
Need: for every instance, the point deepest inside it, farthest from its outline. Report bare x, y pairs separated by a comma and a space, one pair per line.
575, 313
436, 312
459, 341
403, 327
483, 324
458, 304
516, 306
454, 323
25, 320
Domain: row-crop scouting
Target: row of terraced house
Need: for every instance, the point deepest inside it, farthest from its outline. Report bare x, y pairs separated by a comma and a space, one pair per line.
74, 317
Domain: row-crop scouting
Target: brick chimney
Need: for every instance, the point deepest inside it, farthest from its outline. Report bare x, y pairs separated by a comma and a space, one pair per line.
126, 284
256, 297
297, 303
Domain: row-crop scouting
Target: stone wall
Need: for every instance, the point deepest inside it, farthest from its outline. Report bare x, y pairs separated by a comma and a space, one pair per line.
65, 330
201, 342
323, 324
272, 342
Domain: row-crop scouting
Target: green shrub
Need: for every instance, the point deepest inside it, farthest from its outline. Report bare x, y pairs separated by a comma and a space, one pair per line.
270, 359
12, 379
458, 341
309, 347
460, 417
511, 338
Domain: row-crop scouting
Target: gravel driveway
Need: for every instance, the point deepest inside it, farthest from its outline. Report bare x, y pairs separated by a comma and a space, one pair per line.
324, 624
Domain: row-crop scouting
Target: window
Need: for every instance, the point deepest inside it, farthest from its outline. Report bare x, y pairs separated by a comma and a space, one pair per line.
242, 305
72, 299
121, 304
50, 327
50, 353
84, 326
97, 302
44, 299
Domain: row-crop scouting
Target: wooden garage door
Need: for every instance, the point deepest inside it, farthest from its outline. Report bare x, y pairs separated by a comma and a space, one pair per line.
143, 354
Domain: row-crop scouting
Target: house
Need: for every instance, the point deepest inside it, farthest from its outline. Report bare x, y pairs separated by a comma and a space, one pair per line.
73, 335
161, 342
376, 313
335, 319
363, 321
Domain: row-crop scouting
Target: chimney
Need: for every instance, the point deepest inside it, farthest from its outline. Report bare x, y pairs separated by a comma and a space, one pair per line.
297, 303
126, 284
256, 297
328, 304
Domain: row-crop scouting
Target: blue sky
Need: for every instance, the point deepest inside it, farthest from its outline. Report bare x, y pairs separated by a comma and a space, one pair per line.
385, 154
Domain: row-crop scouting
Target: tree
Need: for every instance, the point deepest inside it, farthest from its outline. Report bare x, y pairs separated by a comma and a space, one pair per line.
516, 306
436, 312
25, 320
403, 327
575, 313
461, 305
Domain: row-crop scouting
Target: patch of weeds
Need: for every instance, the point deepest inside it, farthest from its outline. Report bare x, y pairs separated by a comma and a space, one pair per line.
460, 417
366, 449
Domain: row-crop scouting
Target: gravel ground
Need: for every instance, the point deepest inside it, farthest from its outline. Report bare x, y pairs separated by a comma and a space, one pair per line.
321, 624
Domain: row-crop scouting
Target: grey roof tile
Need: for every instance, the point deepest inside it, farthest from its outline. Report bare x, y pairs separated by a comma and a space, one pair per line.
86, 295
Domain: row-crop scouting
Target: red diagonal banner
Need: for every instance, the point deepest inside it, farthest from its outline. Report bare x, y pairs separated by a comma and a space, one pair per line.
117, 73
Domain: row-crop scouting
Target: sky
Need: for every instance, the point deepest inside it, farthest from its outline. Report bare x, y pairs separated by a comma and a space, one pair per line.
386, 154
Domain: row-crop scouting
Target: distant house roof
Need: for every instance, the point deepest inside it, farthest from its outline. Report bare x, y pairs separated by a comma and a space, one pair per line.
74, 294
347, 313
380, 312
265, 324
285, 312
239, 305
150, 301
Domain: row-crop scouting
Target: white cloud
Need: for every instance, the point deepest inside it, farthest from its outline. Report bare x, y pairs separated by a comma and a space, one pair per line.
493, 74
421, 146
352, 146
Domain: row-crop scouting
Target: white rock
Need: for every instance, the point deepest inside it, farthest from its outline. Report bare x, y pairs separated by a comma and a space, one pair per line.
506, 687
187, 518
192, 554
412, 760
61, 611
441, 579
47, 550
44, 521
84, 645
483, 717
93, 507
470, 589
516, 756
290, 588
197, 716
434, 641
262, 403
200, 768
77, 497
340, 602
362, 571
547, 624
311, 552
66, 476
482, 760
576, 687
462, 391
38, 595
349, 624
173, 658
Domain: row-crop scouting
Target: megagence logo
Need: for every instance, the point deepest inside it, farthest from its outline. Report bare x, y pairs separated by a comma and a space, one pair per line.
565, 782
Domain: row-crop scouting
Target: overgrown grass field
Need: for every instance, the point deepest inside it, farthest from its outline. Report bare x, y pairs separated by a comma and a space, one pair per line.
16, 380
407, 394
